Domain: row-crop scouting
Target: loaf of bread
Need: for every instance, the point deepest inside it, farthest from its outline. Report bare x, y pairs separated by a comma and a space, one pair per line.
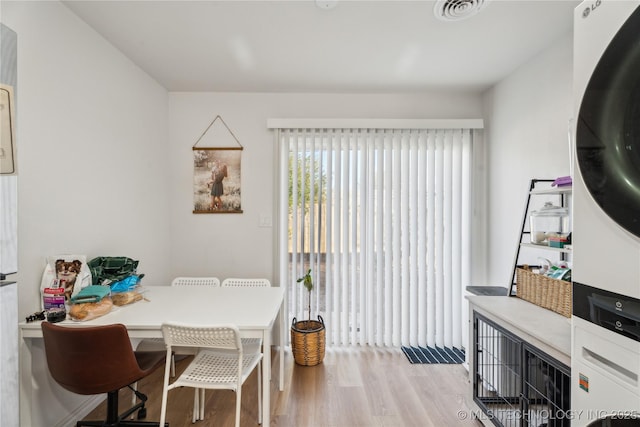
124, 298
90, 310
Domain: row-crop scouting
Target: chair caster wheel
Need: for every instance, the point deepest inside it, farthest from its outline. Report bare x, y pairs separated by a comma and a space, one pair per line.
142, 413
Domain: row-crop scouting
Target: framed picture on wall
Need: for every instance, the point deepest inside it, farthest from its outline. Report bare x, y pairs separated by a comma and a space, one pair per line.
7, 135
216, 180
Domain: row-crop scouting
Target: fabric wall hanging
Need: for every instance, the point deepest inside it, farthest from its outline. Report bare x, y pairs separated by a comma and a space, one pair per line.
216, 174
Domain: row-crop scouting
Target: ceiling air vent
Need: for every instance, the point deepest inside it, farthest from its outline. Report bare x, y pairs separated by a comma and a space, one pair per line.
457, 10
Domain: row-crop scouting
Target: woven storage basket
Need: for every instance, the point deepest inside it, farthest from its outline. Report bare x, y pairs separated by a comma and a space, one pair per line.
552, 294
308, 341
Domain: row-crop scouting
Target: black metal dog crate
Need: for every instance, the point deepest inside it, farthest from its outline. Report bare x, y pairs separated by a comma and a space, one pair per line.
515, 383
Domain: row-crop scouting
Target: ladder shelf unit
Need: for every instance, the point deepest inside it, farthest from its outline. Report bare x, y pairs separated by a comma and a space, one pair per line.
538, 188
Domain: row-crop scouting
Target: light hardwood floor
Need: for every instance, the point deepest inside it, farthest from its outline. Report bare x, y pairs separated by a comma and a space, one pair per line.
352, 387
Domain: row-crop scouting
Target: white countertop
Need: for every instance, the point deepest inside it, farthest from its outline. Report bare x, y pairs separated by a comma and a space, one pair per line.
545, 329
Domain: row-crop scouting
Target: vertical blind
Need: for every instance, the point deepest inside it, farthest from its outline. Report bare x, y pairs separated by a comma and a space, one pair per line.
382, 218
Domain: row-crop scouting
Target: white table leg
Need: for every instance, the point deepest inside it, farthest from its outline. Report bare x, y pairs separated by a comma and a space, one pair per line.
266, 376
282, 341
26, 380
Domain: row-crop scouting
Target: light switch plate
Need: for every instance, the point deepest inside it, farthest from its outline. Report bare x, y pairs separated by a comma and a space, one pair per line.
265, 220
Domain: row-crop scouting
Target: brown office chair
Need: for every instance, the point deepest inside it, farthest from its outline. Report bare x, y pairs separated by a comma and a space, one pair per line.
91, 360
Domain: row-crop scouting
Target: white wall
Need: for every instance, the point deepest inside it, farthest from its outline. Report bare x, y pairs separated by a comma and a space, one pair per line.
92, 161
527, 123
232, 244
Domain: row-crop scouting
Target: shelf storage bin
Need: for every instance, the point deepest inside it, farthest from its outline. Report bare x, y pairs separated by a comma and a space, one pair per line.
548, 221
543, 291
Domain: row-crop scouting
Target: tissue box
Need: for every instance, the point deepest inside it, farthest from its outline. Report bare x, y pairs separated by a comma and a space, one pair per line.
557, 241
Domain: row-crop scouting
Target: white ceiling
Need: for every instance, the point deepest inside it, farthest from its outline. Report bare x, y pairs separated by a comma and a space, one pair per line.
294, 46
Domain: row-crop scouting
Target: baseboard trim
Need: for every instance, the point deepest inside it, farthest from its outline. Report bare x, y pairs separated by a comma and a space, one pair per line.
81, 411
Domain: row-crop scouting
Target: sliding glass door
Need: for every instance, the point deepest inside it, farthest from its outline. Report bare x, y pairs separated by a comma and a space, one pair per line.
382, 218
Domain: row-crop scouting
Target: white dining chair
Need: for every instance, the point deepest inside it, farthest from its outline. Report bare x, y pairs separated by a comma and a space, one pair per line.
221, 362
245, 282
196, 281
157, 344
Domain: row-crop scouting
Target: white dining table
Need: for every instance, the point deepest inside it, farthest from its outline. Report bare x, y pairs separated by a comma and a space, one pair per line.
253, 310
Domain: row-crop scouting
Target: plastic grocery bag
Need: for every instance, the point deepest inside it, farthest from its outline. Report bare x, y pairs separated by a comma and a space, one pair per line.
126, 284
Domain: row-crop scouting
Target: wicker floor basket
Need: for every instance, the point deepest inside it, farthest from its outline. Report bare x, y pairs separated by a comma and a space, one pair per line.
308, 341
552, 294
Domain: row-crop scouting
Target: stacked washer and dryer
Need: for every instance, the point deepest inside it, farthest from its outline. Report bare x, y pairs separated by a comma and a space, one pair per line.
605, 362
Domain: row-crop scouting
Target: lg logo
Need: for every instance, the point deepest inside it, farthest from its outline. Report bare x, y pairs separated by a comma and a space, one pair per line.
589, 9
